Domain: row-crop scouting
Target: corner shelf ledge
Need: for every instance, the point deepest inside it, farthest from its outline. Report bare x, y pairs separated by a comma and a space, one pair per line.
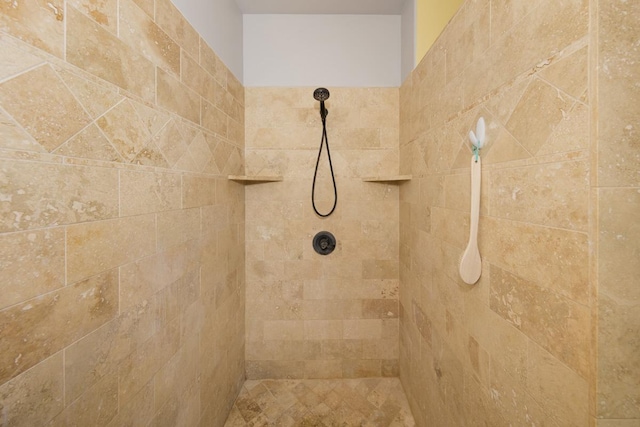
391, 179
255, 179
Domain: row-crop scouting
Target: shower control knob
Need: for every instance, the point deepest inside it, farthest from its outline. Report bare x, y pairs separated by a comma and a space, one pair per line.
324, 243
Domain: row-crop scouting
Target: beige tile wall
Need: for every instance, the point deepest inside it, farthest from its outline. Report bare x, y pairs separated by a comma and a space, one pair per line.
617, 199
121, 241
517, 347
308, 315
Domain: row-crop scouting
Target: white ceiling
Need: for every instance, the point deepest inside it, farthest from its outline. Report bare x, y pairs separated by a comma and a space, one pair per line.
322, 7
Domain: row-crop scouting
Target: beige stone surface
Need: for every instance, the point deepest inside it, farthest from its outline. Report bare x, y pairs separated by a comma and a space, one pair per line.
40, 102
306, 314
176, 97
97, 51
124, 129
524, 337
36, 23
139, 31
40, 194
176, 26
104, 12
40, 327
36, 396
145, 192
31, 263
90, 143
98, 246
122, 269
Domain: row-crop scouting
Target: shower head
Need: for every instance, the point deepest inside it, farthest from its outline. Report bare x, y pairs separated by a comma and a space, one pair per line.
321, 94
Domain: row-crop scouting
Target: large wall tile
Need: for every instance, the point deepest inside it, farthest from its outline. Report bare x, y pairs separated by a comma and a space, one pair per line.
44, 325
146, 192
98, 246
553, 194
104, 12
95, 50
139, 31
178, 98
124, 129
43, 106
40, 195
90, 143
177, 27
113, 211
553, 258
557, 324
36, 396
36, 23
31, 264
618, 159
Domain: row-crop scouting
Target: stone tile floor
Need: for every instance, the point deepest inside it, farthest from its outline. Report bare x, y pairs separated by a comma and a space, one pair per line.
328, 403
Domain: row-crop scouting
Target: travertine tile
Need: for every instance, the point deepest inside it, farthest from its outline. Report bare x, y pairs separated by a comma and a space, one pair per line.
553, 194
617, 366
571, 134
16, 58
43, 106
196, 78
198, 191
178, 98
124, 129
146, 192
138, 30
36, 396
618, 159
553, 258
104, 12
99, 353
36, 24
153, 118
200, 152
551, 24
171, 143
557, 324
561, 392
150, 155
569, 74
140, 366
214, 119
38, 328
97, 51
95, 96
169, 18
12, 136
90, 143
98, 246
176, 227
40, 194
31, 264
619, 234
96, 406
540, 109
618, 301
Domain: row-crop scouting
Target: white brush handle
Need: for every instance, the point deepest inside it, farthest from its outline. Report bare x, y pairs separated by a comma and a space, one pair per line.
471, 263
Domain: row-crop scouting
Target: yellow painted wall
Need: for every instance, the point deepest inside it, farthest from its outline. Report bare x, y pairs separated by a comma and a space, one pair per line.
431, 18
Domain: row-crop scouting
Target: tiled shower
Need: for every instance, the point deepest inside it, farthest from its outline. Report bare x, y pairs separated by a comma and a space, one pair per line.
141, 286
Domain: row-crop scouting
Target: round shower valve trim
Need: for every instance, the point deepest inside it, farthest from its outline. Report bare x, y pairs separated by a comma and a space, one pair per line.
324, 243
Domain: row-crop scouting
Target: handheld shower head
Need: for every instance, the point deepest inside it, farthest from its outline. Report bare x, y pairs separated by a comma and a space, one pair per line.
321, 94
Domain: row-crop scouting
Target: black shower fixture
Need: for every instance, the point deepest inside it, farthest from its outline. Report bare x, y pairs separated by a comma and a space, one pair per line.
322, 94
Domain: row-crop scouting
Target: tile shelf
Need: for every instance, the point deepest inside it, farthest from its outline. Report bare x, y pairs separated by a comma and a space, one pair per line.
254, 179
392, 179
